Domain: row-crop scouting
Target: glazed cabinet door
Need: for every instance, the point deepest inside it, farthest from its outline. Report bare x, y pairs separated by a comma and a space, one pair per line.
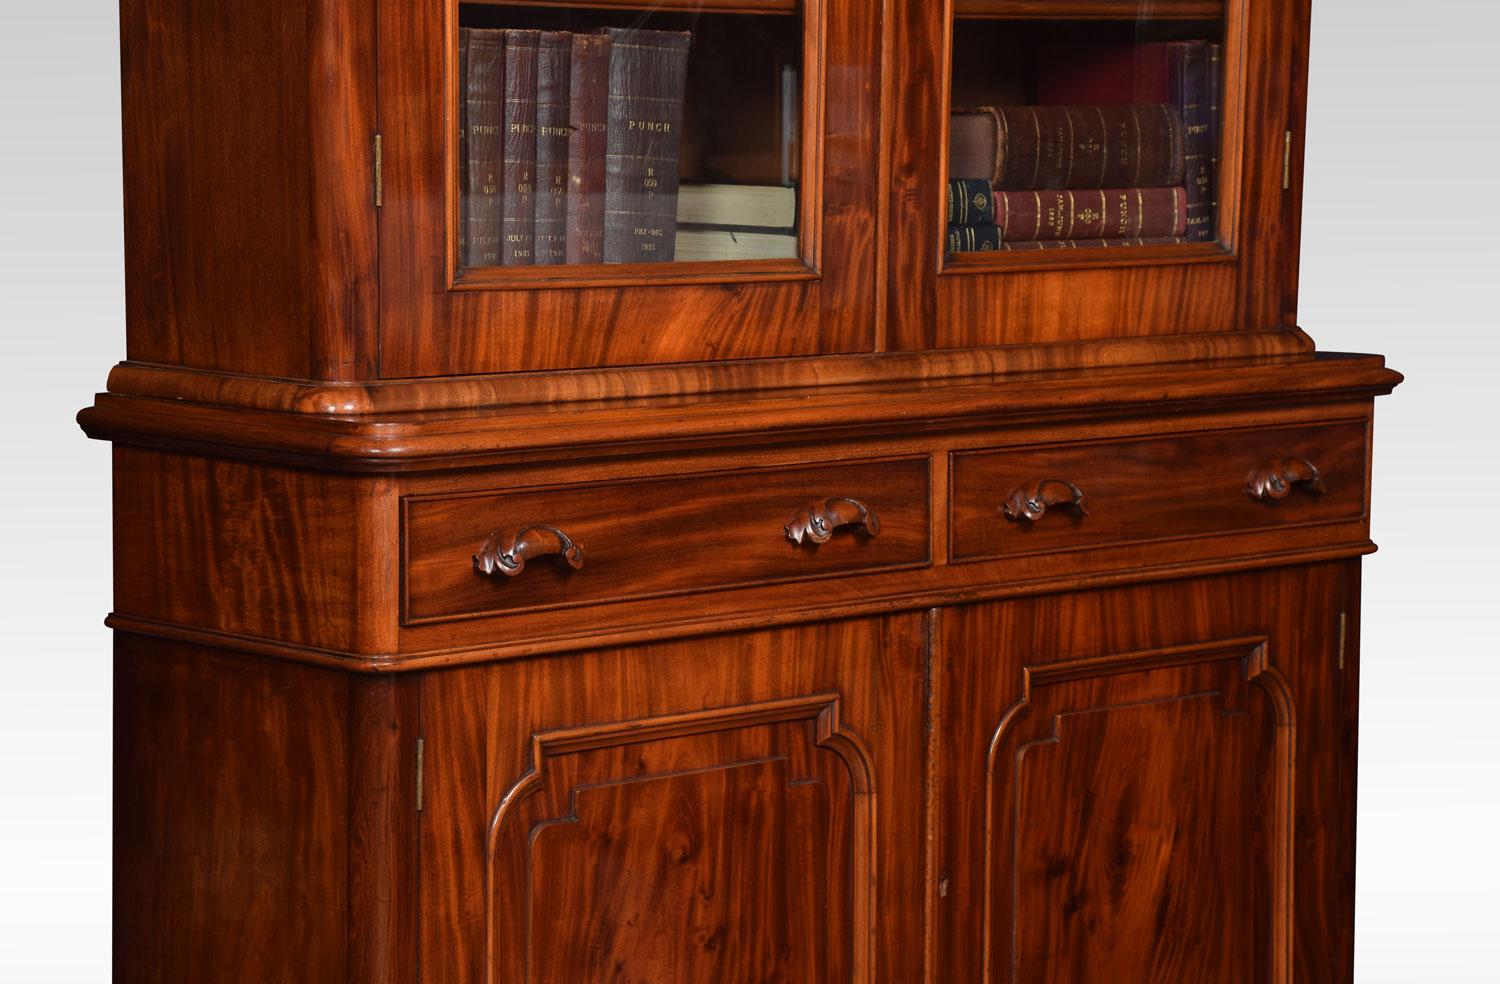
1148, 784
626, 182
742, 808
1081, 170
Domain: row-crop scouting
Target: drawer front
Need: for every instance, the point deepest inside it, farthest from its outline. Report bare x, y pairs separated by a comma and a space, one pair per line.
660, 536
1155, 488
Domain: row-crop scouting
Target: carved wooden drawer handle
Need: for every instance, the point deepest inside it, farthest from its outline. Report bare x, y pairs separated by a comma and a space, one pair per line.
1031, 501
818, 521
506, 553
1275, 478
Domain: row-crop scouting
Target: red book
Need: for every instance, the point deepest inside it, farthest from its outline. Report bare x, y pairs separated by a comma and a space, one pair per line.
1033, 147
588, 116
482, 66
1107, 213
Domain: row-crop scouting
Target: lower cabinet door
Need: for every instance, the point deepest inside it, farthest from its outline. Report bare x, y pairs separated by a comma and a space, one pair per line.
1148, 785
735, 809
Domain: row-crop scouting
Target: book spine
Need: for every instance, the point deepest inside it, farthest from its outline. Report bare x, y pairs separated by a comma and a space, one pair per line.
1195, 91
553, 56
1040, 147
647, 81
482, 66
588, 97
970, 202
518, 244
1024, 246
1108, 213
973, 238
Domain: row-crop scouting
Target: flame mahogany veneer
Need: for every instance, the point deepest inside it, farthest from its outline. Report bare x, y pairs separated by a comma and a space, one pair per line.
860, 619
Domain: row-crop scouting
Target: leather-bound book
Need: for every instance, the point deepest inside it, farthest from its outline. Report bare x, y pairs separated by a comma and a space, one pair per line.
481, 56
1032, 147
588, 121
647, 81
552, 81
1195, 85
518, 244
971, 202
1040, 244
974, 238
1081, 213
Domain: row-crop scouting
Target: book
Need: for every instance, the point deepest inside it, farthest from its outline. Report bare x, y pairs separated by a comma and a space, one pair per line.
974, 238
1037, 244
1195, 85
588, 96
647, 82
481, 55
1037, 147
762, 206
518, 243
970, 202
1081, 213
554, 52
708, 243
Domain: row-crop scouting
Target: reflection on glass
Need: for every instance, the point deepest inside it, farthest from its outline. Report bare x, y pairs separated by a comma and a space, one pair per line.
1069, 134
627, 134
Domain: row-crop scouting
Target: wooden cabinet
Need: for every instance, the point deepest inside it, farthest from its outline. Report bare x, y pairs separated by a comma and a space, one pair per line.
874, 612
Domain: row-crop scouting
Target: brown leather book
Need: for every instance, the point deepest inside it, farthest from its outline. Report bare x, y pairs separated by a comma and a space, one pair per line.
647, 81
481, 55
1081, 213
1032, 147
553, 56
518, 243
1036, 244
588, 124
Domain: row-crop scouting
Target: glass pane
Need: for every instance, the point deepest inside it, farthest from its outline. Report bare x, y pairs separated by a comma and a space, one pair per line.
628, 133
1096, 128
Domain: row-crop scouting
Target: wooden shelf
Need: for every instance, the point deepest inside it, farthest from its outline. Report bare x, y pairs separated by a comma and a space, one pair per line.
666, 6
1090, 9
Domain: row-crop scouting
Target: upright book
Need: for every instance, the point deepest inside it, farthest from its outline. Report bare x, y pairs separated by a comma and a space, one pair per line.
482, 66
518, 246
647, 81
552, 77
1195, 85
588, 119
1034, 147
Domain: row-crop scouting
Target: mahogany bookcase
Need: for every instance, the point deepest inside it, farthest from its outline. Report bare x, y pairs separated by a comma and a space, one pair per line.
879, 615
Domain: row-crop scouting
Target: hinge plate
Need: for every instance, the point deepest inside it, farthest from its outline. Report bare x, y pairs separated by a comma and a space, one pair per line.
421, 750
379, 173
1343, 636
1286, 163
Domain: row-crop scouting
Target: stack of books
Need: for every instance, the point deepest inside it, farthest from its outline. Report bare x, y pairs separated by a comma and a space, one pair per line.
1074, 175
736, 222
571, 145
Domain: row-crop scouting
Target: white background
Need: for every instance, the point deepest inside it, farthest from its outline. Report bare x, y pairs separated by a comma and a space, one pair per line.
1400, 257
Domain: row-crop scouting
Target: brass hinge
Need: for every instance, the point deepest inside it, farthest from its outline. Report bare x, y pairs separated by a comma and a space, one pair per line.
421, 748
1343, 636
379, 174
1286, 163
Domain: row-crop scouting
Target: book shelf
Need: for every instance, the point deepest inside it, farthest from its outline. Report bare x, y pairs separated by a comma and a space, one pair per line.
849, 615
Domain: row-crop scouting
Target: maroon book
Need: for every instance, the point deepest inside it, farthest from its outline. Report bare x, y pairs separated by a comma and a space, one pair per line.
518, 243
553, 56
1033, 147
1080, 213
588, 117
1035, 244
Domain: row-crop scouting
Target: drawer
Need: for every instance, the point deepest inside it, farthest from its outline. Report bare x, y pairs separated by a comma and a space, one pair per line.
658, 536
1155, 488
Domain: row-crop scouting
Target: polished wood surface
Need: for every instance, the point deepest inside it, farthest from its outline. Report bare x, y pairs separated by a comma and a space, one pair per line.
872, 617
